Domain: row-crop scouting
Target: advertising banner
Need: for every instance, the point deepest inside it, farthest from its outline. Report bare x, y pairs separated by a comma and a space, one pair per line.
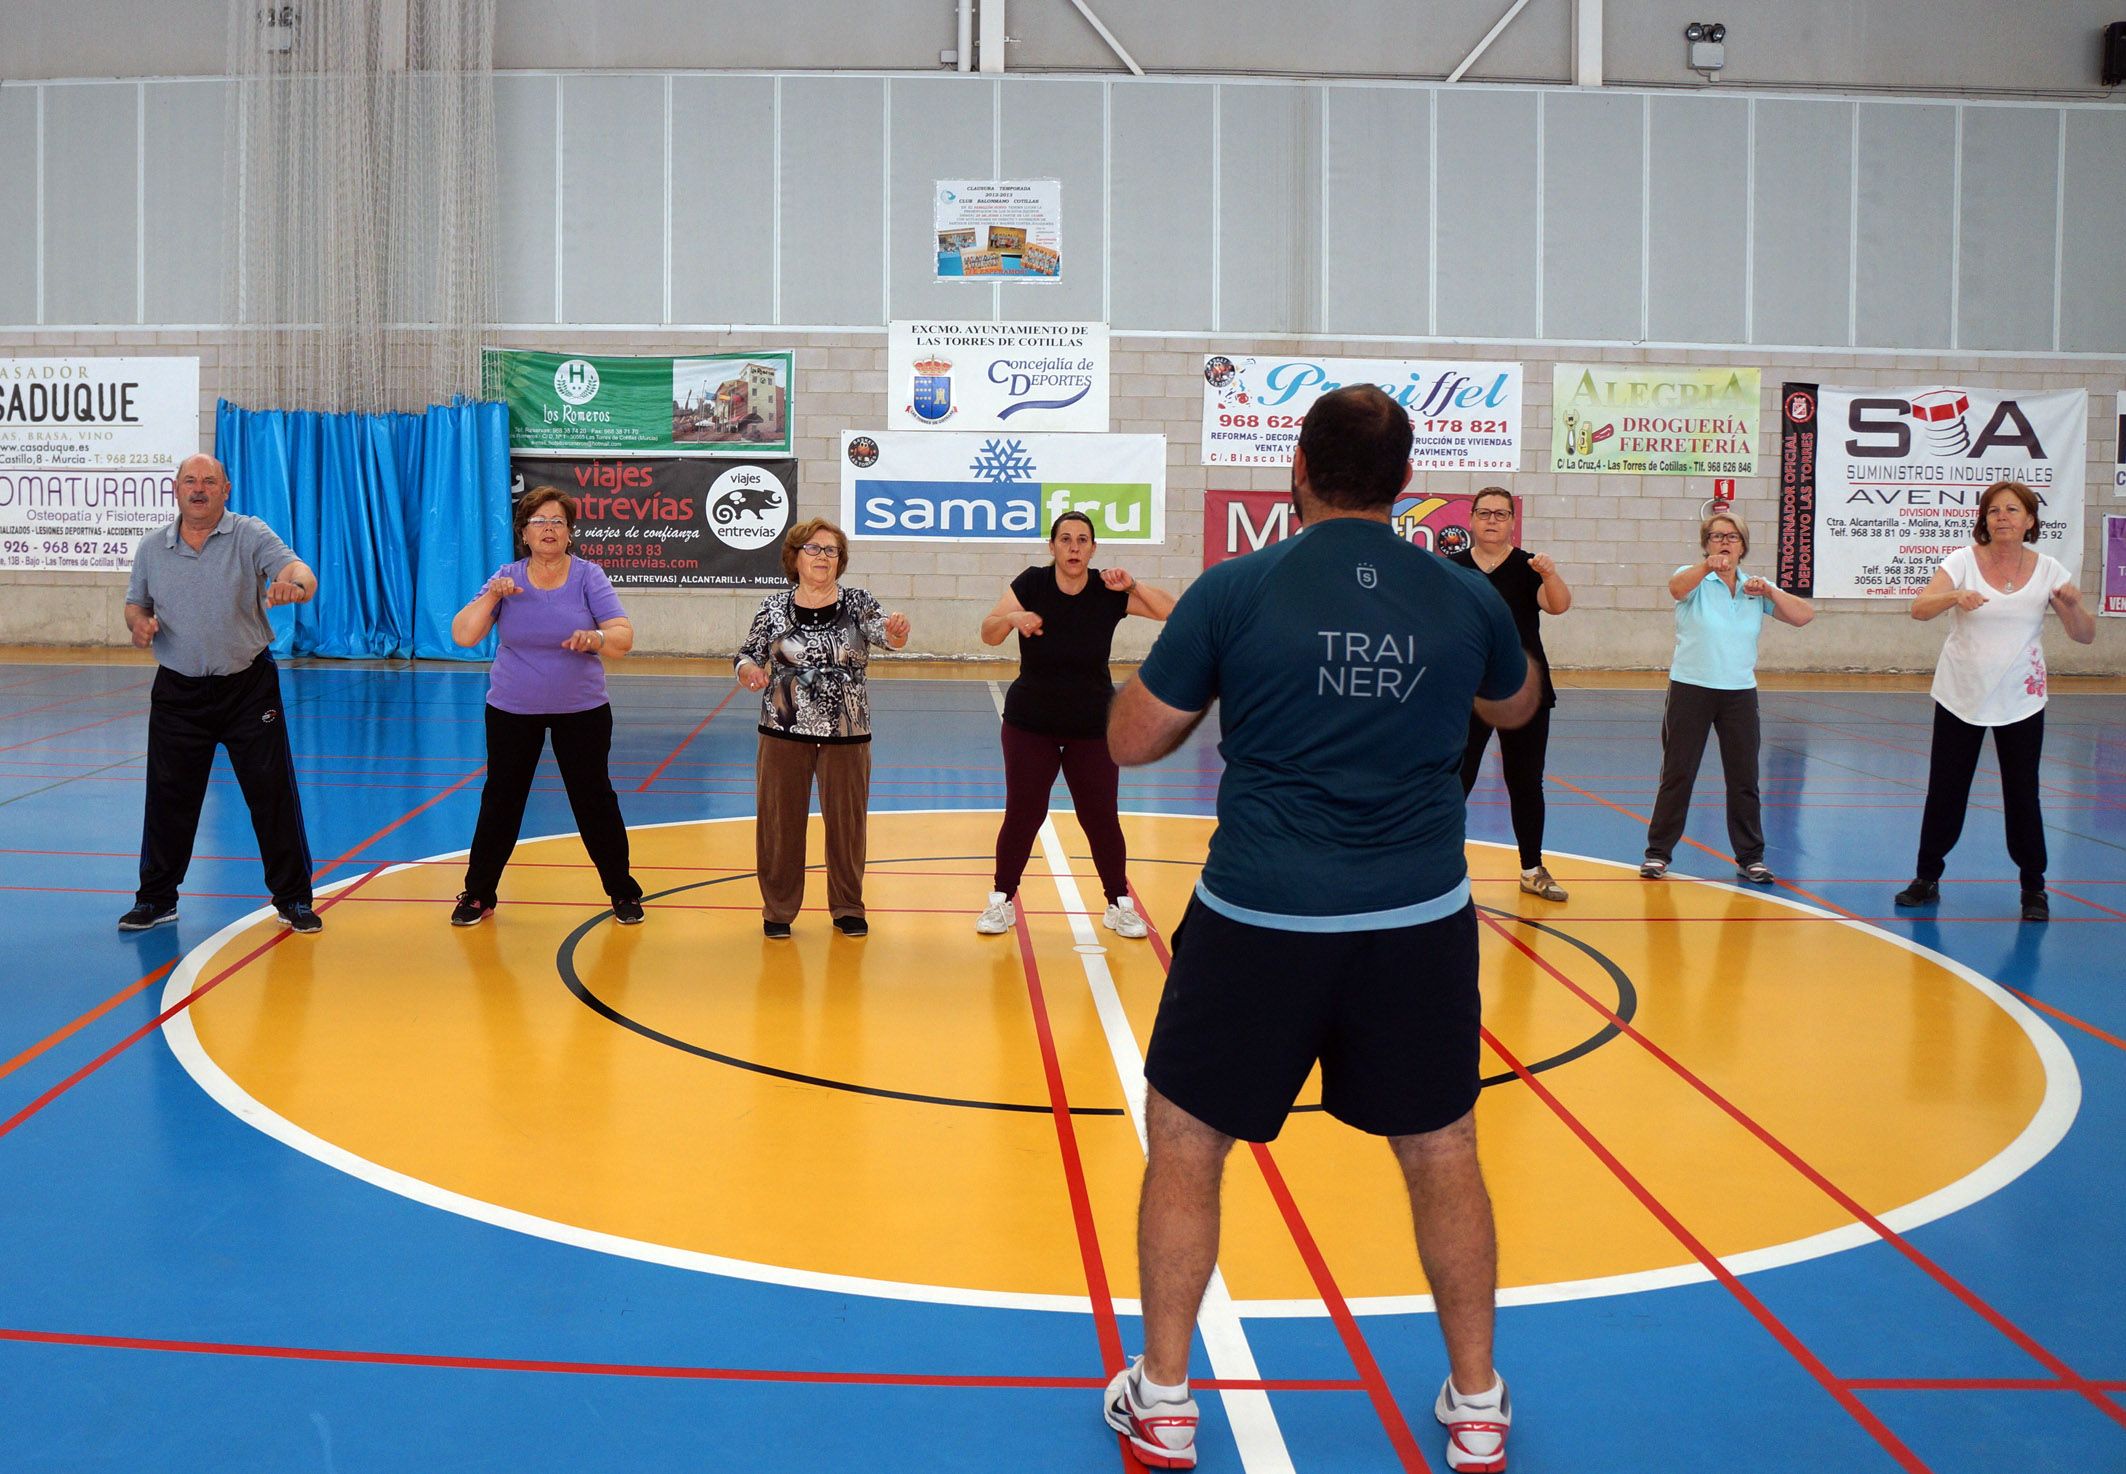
917, 487
2113, 583
1633, 419
997, 229
1237, 522
1463, 416
662, 522
2118, 451
88, 452
714, 404
997, 375
1899, 475
1797, 489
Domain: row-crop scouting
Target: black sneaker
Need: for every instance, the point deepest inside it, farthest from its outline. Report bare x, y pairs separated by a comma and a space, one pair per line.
1920, 893
852, 926
628, 913
776, 930
470, 910
299, 917
2036, 907
143, 916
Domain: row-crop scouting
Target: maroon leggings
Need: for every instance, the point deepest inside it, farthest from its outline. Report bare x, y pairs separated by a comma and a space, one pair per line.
1030, 764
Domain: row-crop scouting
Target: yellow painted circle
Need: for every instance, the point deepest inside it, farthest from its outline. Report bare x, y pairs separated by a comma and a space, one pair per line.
875, 1113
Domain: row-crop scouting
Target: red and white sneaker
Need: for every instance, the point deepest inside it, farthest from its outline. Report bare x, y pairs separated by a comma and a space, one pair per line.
1476, 1428
1163, 1434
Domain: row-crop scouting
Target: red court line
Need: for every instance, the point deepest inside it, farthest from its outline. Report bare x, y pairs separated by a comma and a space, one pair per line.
50, 675
625, 1369
1843, 1395
2067, 1018
2085, 901
1968, 1384
70, 731
1369, 1373
168, 1013
417, 809
658, 771
1105, 1326
1963, 1293
66, 1032
77, 696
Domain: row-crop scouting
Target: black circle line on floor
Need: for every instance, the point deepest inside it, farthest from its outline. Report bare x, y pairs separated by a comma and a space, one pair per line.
1627, 1006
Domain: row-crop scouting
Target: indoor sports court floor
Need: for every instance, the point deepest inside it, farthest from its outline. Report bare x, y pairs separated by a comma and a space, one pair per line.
1784, 1179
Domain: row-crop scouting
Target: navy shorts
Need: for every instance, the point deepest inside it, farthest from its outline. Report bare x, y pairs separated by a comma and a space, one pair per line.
1391, 1015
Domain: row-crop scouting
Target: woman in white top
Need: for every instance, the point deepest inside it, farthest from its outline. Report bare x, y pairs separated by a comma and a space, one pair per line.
1992, 674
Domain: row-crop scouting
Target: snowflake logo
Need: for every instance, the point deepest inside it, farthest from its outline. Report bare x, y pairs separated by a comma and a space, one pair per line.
1003, 460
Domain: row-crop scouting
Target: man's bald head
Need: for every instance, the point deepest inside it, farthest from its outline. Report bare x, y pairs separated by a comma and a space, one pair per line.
202, 490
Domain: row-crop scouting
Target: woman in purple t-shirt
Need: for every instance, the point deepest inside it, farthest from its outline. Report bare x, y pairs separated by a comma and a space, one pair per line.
557, 616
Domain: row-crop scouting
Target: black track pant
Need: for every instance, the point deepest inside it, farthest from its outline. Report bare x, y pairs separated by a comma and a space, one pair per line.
188, 716
1521, 753
583, 743
1950, 768
1692, 712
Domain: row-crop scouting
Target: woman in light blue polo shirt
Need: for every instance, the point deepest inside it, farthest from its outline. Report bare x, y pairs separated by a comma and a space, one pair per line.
1712, 686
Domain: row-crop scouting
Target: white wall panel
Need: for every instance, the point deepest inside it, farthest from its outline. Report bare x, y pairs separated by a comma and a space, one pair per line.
723, 199
1161, 240
1907, 185
184, 198
612, 199
1487, 214
526, 241
1054, 129
1802, 260
1377, 210
833, 200
91, 203
1593, 225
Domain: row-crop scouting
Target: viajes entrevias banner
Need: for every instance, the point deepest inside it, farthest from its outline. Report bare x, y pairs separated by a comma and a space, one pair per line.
997, 375
1899, 474
1464, 416
1643, 420
713, 404
88, 451
917, 487
658, 522
1237, 522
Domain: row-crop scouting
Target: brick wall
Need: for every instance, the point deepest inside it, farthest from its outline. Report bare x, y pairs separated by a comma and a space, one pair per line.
1615, 538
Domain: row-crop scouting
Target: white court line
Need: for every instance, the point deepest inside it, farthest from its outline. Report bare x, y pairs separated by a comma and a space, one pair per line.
1253, 1420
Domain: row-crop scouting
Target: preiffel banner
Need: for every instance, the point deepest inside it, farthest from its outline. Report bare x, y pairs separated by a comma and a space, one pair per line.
716, 404
1797, 488
662, 522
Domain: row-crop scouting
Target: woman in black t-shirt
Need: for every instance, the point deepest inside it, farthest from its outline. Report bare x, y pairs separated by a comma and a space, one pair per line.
1055, 715
1531, 588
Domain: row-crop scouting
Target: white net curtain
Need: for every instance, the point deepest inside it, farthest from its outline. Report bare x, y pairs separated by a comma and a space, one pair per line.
360, 201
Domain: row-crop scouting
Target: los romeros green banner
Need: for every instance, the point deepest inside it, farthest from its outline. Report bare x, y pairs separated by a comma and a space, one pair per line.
714, 404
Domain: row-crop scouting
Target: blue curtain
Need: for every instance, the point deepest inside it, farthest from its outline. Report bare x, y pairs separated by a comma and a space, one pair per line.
401, 515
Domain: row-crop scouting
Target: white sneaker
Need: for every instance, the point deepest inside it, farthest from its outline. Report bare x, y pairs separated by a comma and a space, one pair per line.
1476, 1428
1122, 919
1162, 1434
999, 917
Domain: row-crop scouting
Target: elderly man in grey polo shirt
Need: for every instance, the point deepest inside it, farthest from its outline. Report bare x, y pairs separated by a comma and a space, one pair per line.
198, 598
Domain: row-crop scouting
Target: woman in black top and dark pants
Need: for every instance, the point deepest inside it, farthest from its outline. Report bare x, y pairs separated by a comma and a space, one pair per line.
1531, 588
1055, 715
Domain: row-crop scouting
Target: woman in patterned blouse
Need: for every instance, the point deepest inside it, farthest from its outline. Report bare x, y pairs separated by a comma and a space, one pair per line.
806, 653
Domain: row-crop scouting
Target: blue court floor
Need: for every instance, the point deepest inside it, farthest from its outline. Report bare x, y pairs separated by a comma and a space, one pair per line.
182, 1291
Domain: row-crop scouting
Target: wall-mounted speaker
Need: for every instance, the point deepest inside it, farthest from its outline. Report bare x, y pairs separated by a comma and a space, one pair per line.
2115, 53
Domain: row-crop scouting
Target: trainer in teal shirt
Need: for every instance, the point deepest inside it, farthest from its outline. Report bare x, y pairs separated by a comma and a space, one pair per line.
1716, 634
1344, 661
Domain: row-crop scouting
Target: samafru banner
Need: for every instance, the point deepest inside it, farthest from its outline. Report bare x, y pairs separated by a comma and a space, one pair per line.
88, 451
1237, 522
997, 375
1900, 473
658, 522
2112, 599
1463, 416
716, 404
916, 487
1642, 420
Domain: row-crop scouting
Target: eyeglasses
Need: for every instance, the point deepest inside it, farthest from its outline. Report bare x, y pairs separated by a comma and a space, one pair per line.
1491, 516
819, 550
546, 522
1724, 537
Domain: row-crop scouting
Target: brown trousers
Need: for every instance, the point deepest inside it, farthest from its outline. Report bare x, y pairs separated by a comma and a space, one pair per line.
782, 780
